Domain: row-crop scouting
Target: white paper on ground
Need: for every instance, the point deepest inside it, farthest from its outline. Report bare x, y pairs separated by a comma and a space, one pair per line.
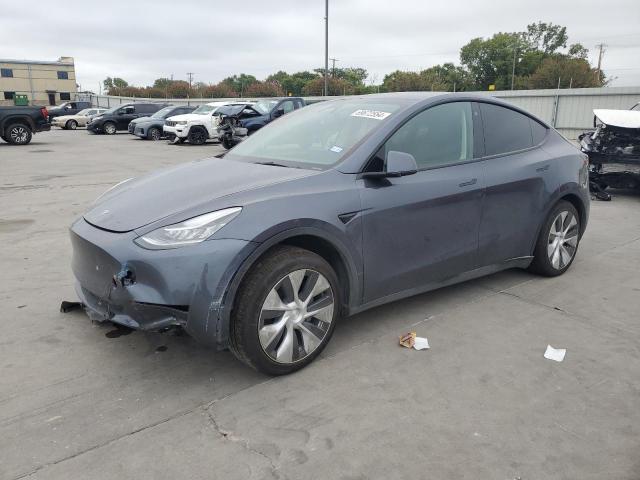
556, 354
421, 343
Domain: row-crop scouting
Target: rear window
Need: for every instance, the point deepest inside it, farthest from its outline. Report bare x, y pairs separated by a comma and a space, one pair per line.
505, 130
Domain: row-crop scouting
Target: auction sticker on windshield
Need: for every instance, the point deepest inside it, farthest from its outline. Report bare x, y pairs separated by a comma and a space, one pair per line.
377, 114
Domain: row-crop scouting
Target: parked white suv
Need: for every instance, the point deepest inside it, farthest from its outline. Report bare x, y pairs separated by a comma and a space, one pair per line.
196, 126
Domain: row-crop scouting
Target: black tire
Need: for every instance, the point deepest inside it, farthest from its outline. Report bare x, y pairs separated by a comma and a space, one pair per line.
18, 134
109, 128
264, 275
227, 143
71, 125
154, 133
198, 136
542, 263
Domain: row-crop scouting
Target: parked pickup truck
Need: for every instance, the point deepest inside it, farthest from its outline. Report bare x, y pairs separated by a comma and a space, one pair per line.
18, 124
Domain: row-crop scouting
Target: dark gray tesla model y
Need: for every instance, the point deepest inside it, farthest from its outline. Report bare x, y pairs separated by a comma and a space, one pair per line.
333, 209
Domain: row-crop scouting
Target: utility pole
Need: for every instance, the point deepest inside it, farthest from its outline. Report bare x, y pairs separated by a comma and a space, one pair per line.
601, 46
326, 47
333, 68
513, 69
190, 75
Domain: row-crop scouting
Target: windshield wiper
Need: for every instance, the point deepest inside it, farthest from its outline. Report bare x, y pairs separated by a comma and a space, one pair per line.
273, 164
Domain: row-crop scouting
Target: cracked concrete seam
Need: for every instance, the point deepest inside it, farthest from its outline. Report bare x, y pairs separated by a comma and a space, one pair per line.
227, 435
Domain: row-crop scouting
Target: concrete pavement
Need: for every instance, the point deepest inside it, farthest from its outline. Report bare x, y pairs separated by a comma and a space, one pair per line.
481, 403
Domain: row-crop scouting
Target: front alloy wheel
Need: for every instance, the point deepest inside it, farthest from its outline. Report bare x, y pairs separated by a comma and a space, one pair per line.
296, 316
285, 310
109, 128
154, 134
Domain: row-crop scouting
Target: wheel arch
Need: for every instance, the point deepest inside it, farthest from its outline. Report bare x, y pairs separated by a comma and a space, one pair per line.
13, 119
313, 239
577, 202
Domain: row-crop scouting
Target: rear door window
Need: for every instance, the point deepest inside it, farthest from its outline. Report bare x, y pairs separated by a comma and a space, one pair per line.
505, 130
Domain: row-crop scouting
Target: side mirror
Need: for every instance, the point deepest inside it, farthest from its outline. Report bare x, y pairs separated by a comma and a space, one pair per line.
399, 164
278, 113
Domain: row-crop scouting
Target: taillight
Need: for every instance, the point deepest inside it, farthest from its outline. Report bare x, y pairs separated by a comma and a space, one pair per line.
45, 113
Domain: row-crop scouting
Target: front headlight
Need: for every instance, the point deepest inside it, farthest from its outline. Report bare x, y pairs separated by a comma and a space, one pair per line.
181, 122
194, 230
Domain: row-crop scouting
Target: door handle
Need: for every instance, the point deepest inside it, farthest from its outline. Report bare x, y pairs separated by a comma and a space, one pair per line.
468, 183
543, 169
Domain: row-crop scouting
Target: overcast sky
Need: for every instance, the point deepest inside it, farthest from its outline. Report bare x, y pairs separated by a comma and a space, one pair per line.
143, 40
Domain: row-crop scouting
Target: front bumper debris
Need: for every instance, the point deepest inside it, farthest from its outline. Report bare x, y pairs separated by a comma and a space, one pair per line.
154, 290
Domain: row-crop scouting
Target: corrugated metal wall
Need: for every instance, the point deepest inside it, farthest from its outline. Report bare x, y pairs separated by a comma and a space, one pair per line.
569, 110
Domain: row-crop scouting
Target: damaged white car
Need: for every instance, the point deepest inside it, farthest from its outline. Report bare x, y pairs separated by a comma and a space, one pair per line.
614, 150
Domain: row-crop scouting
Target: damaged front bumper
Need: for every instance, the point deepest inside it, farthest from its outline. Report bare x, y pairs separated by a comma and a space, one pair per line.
120, 282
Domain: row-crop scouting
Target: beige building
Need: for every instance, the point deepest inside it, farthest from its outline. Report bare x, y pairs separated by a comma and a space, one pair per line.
44, 83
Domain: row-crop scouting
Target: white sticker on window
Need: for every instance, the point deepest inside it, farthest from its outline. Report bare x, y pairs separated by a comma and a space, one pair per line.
377, 114
336, 149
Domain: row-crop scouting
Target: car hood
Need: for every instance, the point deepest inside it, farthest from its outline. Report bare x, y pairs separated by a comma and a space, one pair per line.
138, 120
184, 188
619, 118
187, 116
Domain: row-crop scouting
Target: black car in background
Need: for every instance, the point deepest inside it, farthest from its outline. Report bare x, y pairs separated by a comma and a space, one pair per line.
67, 108
150, 128
118, 118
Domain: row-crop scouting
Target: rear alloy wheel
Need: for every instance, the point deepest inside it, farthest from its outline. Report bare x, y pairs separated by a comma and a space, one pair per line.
558, 241
286, 311
71, 125
18, 134
109, 128
197, 136
154, 134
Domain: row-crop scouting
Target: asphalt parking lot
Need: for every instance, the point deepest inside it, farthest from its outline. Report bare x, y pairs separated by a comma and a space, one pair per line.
81, 400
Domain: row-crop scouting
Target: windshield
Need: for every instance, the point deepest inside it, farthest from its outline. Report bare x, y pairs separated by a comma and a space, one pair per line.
315, 136
204, 109
163, 112
636, 107
265, 106
112, 109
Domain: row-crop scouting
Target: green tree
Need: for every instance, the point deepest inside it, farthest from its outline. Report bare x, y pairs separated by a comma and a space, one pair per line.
162, 83
114, 83
546, 37
292, 83
490, 61
336, 86
574, 72
240, 82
